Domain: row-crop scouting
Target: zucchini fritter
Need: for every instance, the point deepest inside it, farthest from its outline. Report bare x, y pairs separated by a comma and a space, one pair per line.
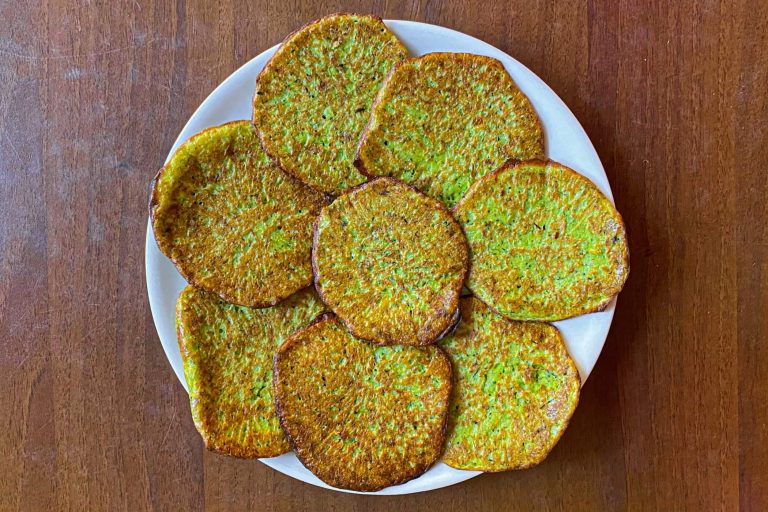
443, 120
231, 221
515, 389
545, 243
390, 262
227, 352
314, 96
359, 416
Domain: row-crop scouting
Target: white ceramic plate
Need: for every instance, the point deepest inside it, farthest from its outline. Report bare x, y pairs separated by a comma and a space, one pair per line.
566, 142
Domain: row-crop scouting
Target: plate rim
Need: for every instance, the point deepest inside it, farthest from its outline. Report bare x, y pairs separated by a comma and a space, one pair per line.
151, 250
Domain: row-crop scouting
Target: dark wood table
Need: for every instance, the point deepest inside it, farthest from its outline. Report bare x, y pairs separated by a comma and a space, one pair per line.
674, 96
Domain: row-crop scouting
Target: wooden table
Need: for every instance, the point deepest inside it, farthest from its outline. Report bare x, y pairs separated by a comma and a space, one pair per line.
674, 97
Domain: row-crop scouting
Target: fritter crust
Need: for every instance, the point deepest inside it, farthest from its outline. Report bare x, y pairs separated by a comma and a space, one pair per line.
360, 416
545, 243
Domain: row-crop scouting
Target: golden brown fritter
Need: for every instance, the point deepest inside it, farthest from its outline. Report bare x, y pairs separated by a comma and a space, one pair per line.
545, 243
515, 389
231, 221
314, 96
227, 352
443, 120
390, 262
360, 416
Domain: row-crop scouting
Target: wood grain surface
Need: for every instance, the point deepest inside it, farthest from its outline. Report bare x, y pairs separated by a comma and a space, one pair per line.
675, 98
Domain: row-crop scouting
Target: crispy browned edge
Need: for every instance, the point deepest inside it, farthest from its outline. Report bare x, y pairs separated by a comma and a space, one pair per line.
509, 164
359, 162
153, 203
180, 331
454, 323
222, 449
416, 472
454, 313
270, 63
565, 424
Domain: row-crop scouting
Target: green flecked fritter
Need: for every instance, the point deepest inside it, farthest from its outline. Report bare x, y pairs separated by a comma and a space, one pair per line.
360, 416
231, 221
227, 352
314, 96
545, 243
515, 389
443, 120
390, 262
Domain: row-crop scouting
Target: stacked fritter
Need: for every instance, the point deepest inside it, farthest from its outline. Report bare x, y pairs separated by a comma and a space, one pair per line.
392, 183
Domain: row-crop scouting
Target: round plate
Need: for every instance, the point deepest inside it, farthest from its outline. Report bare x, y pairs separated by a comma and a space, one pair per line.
566, 142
